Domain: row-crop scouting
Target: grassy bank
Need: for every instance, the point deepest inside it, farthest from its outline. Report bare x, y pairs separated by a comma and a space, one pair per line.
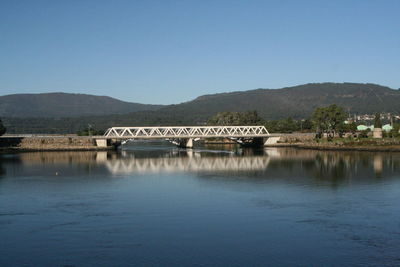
355, 144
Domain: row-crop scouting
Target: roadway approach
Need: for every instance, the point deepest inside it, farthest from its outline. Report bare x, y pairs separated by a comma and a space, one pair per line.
186, 136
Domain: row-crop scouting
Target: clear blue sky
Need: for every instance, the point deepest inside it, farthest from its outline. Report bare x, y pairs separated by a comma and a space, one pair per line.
173, 51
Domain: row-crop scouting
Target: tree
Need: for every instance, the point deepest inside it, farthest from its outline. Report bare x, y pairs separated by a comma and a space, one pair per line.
287, 125
328, 119
347, 128
250, 118
352, 127
2, 128
89, 131
395, 132
225, 118
377, 121
305, 125
236, 118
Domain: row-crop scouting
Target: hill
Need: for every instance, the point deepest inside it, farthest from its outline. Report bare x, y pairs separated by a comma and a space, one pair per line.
65, 105
297, 102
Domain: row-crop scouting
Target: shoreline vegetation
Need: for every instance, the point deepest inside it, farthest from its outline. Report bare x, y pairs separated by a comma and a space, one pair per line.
328, 128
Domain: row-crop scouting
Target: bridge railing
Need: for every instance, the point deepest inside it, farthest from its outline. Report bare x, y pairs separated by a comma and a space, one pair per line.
187, 132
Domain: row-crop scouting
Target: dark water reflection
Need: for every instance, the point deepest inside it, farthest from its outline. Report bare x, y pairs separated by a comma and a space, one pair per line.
158, 205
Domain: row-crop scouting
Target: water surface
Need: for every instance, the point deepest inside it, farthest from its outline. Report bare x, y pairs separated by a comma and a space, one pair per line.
154, 204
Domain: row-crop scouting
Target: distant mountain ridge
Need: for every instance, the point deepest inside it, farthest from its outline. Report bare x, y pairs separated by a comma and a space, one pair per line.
297, 102
66, 105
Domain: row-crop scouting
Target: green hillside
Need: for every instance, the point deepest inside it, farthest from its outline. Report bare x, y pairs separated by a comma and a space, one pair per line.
297, 102
65, 105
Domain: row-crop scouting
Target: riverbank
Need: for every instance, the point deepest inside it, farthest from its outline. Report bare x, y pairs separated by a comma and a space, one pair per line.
301, 141
391, 148
50, 143
342, 144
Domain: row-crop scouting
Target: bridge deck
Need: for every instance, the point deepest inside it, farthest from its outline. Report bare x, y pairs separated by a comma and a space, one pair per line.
186, 132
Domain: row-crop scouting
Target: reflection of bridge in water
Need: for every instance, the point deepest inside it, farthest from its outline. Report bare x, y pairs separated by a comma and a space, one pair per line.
187, 164
192, 161
271, 161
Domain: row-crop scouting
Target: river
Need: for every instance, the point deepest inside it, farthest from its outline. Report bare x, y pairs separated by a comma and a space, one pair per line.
156, 205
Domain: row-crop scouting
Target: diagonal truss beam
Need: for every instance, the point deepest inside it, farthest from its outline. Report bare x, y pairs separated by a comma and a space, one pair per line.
187, 132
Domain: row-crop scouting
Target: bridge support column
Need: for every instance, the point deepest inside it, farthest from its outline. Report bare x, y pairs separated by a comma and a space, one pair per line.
249, 142
101, 142
116, 143
182, 142
185, 143
272, 140
189, 143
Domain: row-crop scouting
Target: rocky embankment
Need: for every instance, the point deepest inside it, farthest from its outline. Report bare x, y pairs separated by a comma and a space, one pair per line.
308, 141
49, 143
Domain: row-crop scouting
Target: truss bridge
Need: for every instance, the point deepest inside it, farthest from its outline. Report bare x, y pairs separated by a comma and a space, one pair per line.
184, 136
187, 132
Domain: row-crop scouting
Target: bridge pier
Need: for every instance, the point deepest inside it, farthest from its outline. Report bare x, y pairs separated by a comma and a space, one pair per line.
249, 142
257, 141
271, 140
115, 143
182, 142
188, 143
101, 142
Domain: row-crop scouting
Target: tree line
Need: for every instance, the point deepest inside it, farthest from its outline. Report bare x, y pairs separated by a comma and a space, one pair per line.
286, 125
329, 121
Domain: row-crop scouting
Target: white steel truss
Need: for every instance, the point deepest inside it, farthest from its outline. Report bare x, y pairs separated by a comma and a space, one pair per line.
186, 132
